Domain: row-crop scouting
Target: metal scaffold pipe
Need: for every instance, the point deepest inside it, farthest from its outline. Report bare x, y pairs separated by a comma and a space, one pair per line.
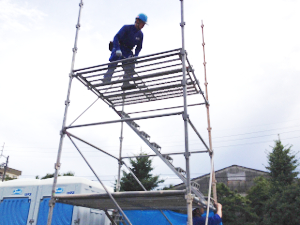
62, 133
118, 186
107, 191
208, 120
189, 197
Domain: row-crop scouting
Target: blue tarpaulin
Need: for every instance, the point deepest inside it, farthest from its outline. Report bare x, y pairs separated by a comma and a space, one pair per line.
154, 217
151, 217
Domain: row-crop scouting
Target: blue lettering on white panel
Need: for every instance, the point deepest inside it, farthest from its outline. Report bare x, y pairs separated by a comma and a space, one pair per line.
17, 191
71, 192
59, 190
27, 194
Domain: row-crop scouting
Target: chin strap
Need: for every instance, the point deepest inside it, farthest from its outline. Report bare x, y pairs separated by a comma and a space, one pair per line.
137, 22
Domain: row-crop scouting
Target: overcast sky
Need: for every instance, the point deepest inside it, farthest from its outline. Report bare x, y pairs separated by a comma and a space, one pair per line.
253, 71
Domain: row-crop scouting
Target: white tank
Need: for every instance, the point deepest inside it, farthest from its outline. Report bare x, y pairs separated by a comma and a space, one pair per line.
30, 198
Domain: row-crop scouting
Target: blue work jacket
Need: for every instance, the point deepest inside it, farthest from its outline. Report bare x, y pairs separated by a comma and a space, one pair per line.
213, 220
125, 40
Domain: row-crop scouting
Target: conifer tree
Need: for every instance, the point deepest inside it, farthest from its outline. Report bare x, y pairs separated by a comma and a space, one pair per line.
258, 195
282, 166
141, 167
283, 204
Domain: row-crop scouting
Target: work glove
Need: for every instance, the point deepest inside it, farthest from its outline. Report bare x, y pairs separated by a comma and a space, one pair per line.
119, 53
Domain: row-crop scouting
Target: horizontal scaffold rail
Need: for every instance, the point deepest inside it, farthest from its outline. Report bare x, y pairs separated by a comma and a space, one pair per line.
156, 76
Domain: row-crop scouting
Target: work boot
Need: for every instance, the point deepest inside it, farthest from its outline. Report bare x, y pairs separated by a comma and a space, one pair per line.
127, 86
105, 80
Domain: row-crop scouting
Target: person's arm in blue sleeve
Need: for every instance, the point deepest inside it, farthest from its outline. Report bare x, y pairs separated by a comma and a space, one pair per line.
139, 47
219, 214
118, 36
216, 219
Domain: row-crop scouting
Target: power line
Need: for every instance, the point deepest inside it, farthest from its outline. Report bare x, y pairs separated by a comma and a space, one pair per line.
112, 150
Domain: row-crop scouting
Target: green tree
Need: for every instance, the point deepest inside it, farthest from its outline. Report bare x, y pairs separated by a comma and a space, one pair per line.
7, 178
170, 187
258, 195
69, 174
236, 208
282, 166
141, 167
50, 175
283, 207
284, 201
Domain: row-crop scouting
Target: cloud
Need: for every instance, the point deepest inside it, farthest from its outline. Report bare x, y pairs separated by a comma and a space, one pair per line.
19, 16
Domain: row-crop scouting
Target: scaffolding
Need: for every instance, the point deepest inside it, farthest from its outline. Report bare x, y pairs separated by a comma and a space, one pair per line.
157, 77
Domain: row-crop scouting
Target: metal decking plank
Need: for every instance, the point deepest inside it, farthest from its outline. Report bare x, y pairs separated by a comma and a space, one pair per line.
124, 60
157, 96
142, 77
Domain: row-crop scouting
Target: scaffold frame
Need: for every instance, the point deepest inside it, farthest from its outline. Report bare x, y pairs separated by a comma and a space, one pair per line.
158, 76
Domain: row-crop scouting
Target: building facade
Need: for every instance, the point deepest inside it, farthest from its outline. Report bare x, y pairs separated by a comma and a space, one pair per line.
237, 178
10, 172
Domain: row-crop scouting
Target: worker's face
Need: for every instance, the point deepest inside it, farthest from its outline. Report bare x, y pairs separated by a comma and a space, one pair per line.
139, 24
199, 211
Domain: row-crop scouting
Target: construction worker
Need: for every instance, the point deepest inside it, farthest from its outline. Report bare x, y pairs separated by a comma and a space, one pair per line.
199, 216
124, 41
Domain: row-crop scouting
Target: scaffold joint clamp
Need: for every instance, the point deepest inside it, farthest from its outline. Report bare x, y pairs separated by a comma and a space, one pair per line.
189, 198
52, 202
182, 52
187, 154
63, 131
185, 116
67, 102
57, 166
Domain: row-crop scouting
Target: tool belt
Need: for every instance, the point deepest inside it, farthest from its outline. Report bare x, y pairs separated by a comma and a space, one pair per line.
111, 46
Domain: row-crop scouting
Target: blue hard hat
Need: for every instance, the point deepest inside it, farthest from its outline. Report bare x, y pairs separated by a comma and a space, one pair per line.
142, 17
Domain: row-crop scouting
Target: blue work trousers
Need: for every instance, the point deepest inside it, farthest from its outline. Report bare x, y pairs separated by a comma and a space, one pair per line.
127, 66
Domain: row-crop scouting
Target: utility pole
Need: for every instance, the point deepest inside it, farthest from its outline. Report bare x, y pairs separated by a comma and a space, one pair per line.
6, 164
5, 168
2, 150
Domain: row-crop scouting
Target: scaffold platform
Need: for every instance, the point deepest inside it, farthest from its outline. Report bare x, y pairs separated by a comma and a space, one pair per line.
132, 200
157, 77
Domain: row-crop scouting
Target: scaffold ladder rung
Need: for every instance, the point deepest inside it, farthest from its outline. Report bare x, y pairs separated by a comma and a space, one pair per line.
145, 135
169, 158
180, 170
156, 146
195, 184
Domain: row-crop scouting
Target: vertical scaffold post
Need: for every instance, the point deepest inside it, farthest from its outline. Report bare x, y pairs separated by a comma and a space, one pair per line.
118, 186
208, 120
189, 197
62, 133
